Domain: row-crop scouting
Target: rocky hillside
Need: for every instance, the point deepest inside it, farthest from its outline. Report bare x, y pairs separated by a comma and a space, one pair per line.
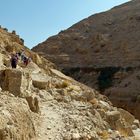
103, 52
38, 102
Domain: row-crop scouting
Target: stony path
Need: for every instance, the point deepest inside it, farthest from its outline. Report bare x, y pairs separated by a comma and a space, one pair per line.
51, 123
137, 134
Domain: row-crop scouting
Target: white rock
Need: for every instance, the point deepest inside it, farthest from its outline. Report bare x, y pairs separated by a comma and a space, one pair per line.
137, 123
75, 136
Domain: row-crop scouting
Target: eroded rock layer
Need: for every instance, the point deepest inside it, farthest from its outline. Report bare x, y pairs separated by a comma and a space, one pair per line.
103, 52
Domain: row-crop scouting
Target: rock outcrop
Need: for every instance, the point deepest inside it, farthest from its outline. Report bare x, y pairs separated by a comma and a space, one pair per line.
102, 51
15, 118
14, 81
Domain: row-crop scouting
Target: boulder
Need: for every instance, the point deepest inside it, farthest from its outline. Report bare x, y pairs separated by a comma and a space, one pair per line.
15, 119
136, 123
12, 81
129, 118
75, 136
15, 81
104, 105
125, 130
40, 81
33, 103
6, 62
112, 117
40, 84
116, 122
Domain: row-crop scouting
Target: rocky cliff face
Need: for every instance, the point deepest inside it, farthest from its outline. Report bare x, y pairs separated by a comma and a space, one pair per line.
103, 52
38, 102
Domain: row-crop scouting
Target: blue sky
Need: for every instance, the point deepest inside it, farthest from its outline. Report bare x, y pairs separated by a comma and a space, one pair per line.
36, 20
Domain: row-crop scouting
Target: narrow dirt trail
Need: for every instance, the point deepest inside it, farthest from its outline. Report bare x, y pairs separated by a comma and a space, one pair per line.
137, 134
51, 123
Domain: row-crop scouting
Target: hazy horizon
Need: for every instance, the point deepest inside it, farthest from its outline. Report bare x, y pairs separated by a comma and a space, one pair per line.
36, 21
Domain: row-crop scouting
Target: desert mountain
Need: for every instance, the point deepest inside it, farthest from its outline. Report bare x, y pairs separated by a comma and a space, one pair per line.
103, 52
37, 102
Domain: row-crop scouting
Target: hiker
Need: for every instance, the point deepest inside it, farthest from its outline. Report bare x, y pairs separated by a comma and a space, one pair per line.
29, 59
14, 60
22, 55
19, 53
26, 60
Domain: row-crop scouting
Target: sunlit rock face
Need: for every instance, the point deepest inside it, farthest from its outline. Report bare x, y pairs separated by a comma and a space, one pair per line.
103, 52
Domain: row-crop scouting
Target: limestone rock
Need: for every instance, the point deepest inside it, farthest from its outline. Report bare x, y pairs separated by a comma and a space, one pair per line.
127, 131
15, 81
33, 103
104, 105
41, 62
12, 81
6, 62
40, 84
136, 123
15, 119
75, 136
113, 117
40, 81
127, 116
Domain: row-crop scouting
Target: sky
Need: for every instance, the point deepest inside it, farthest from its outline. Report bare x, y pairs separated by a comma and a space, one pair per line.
36, 20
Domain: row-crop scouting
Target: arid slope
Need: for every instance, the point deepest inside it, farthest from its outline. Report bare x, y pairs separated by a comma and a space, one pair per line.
102, 51
38, 102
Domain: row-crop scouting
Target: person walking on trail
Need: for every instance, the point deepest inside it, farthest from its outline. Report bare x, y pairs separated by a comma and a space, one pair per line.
22, 55
25, 61
14, 60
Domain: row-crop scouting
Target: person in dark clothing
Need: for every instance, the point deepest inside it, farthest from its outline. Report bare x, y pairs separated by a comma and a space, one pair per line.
14, 61
19, 54
26, 61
